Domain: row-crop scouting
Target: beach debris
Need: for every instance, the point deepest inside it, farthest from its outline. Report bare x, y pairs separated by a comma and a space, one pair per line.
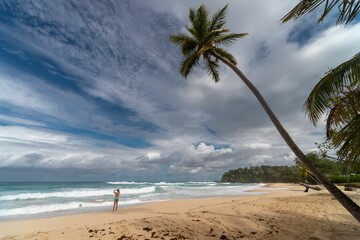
314, 187
148, 229
347, 188
124, 237
91, 230
178, 237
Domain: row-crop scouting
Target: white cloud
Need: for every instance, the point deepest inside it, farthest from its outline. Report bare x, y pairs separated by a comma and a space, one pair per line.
18, 93
22, 134
202, 148
153, 155
332, 45
258, 145
20, 121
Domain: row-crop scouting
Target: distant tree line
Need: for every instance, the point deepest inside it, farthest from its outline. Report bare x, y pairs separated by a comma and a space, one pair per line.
337, 172
263, 173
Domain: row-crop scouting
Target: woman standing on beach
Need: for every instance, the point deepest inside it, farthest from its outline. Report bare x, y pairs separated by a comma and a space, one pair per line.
116, 199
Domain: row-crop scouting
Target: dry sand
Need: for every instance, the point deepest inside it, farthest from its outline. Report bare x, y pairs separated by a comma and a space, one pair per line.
280, 214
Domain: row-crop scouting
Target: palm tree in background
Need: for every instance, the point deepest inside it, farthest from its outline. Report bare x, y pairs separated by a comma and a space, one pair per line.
203, 45
347, 9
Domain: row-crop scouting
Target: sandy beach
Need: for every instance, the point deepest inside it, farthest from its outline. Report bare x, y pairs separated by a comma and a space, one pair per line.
279, 214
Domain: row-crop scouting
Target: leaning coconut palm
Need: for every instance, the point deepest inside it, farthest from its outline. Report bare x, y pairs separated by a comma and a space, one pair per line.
204, 43
339, 93
348, 9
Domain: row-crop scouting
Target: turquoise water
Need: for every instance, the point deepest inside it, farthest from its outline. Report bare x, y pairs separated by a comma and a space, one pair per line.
29, 200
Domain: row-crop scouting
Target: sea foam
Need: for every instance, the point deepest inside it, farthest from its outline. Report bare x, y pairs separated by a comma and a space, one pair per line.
76, 193
41, 199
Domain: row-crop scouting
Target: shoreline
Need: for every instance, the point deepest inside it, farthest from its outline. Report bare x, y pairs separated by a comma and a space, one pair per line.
265, 216
81, 209
66, 213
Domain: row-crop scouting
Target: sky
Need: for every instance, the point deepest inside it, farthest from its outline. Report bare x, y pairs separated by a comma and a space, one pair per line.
91, 90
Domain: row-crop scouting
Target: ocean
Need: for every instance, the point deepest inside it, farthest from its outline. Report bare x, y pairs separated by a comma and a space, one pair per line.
33, 200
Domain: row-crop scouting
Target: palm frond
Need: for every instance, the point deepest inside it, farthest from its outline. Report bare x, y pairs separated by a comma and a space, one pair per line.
348, 140
188, 44
348, 10
211, 36
198, 18
218, 20
193, 32
302, 8
225, 54
192, 15
189, 63
202, 16
212, 69
344, 109
194, 23
226, 39
178, 39
334, 83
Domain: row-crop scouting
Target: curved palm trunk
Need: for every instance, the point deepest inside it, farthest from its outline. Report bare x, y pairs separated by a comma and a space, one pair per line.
350, 205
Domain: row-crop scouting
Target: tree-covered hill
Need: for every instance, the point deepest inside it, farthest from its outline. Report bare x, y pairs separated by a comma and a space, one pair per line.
263, 174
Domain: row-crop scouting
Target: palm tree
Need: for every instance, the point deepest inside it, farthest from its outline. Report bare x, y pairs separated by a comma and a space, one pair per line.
204, 43
348, 9
339, 93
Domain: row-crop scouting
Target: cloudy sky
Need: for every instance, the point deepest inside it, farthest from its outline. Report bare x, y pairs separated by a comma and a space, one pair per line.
90, 90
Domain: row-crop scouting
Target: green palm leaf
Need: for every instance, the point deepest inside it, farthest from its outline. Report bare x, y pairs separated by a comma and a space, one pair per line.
202, 21
348, 10
226, 39
189, 63
188, 45
344, 109
335, 82
225, 54
348, 140
218, 20
212, 69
